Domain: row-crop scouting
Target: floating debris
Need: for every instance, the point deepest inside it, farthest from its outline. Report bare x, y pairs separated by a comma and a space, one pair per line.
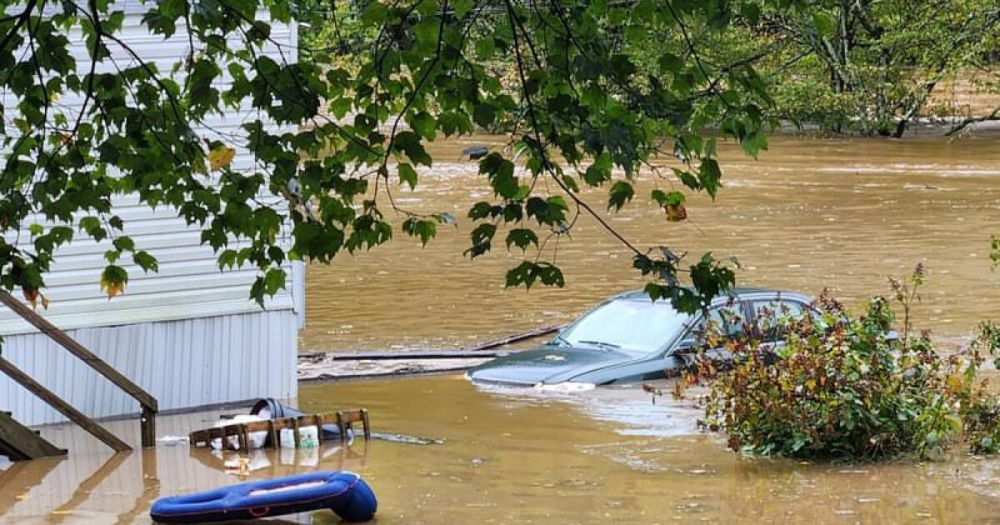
405, 439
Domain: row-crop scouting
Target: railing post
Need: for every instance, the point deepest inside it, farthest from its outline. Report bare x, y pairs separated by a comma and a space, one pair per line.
147, 422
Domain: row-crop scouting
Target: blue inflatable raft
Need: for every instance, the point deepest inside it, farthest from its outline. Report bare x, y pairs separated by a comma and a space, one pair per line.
345, 493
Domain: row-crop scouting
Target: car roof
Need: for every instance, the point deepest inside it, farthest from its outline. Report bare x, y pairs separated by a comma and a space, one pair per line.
747, 292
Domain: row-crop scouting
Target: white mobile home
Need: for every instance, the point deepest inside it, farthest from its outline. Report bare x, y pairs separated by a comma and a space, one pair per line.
188, 334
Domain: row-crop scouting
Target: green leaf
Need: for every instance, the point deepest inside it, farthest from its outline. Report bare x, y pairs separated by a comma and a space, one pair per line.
409, 143
113, 280
823, 23
124, 243
528, 272
482, 237
754, 143
504, 181
485, 47
674, 198
570, 182
709, 176
408, 175
599, 171
144, 260
522, 238
423, 228
482, 210
484, 115
424, 124
274, 280
621, 192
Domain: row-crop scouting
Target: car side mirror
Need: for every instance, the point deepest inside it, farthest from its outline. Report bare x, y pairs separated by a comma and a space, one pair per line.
686, 346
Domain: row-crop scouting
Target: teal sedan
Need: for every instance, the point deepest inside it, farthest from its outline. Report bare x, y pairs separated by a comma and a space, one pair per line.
629, 338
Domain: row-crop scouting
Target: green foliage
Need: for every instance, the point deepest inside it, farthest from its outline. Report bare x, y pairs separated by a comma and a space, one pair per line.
839, 388
865, 67
980, 408
373, 84
995, 251
874, 65
838, 393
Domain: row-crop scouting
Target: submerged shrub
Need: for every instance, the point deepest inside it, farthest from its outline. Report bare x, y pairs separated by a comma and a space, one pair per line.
980, 410
845, 387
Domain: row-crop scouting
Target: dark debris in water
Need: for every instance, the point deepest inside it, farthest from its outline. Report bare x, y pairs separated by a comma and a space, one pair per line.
405, 439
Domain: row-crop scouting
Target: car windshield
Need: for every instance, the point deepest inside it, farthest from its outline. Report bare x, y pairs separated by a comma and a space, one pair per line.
633, 326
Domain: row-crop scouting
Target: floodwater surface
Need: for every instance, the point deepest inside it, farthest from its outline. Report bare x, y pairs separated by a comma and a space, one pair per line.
809, 214
605, 456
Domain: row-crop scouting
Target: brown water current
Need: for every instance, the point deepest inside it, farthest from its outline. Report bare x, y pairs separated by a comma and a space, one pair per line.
808, 214
607, 456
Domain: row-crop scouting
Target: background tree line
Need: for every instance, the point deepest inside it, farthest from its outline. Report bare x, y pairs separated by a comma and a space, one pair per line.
588, 92
870, 67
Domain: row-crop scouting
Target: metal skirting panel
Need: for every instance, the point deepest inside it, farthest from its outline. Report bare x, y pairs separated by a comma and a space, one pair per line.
184, 363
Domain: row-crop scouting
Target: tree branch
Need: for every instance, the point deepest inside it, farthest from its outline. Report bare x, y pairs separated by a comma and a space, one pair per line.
993, 115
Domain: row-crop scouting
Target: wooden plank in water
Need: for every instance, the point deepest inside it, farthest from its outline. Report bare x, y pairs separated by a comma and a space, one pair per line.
272, 434
273, 427
481, 350
400, 354
19, 442
345, 418
536, 332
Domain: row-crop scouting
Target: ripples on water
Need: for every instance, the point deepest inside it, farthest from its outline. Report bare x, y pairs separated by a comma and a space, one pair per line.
809, 214
597, 457
609, 456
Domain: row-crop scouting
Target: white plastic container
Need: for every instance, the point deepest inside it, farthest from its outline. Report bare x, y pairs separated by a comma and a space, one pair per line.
308, 437
257, 439
286, 438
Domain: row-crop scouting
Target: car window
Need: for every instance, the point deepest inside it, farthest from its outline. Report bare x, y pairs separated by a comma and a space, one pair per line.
726, 320
630, 325
771, 315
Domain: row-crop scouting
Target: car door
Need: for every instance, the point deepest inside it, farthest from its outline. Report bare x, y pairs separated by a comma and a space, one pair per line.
770, 318
708, 334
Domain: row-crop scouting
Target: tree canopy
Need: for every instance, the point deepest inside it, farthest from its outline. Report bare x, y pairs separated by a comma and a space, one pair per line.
560, 77
867, 67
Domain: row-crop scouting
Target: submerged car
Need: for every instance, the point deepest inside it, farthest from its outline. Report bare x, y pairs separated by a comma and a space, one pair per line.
629, 338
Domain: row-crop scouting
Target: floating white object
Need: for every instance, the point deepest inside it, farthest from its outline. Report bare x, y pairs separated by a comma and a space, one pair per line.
170, 441
308, 437
566, 387
257, 439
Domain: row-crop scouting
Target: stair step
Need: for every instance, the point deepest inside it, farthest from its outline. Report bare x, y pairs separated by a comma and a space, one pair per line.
19, 442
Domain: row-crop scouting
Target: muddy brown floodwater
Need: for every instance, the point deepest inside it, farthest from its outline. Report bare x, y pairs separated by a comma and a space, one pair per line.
809, 214
605, 456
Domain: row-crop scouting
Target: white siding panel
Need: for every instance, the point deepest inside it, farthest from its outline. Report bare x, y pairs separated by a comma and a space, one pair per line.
188, 334
192, 362
189, 283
